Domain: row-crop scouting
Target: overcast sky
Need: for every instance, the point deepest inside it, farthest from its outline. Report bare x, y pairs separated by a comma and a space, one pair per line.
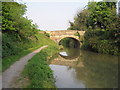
53, 14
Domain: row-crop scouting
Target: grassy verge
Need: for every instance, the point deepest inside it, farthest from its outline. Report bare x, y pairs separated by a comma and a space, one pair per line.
25, 48
38, 71
6, 62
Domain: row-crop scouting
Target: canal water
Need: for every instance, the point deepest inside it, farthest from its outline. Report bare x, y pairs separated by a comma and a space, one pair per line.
75, 68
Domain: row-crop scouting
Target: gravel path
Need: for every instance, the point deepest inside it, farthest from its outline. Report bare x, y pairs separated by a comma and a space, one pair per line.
15, 70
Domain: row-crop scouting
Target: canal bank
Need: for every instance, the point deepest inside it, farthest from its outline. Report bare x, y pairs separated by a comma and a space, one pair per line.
38, 72
8, 80
32, 68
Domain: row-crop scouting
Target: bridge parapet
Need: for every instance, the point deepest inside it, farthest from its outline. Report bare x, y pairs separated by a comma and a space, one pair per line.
58, 35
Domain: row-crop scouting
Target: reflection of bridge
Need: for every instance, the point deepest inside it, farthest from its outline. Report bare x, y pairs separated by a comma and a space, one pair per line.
58, 35
77, 62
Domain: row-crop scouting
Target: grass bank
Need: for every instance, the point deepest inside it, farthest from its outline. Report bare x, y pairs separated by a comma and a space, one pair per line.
14, 49
38, 71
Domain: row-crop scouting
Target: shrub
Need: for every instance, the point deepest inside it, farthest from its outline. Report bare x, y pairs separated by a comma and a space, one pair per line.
47, 34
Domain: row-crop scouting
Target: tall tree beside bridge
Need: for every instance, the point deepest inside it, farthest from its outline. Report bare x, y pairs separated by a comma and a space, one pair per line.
94, 15
79, 21
101, 22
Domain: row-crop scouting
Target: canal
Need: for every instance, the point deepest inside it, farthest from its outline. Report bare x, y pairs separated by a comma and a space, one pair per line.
75, 68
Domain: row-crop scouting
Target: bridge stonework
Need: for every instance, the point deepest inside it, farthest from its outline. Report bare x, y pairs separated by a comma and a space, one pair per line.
58, 35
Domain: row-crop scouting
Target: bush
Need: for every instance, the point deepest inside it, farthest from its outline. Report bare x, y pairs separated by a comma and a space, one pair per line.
107, 47
47, 34
99, 41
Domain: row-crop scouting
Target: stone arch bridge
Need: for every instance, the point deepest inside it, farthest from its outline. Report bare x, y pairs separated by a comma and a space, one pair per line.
58, 35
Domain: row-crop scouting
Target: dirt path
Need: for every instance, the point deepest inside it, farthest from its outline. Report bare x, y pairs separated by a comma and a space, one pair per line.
15, 70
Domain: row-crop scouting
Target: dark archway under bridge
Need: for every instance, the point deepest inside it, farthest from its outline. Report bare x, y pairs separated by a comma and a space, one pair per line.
60, 34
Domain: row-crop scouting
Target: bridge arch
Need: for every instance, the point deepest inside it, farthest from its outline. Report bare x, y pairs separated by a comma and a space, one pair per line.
58, 39
70, 42
58, 35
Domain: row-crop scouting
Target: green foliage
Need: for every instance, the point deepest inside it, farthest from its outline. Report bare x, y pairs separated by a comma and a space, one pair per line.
16, 29
10, 14
102, 26
47, 34
19, 49
100, 41
105, 46
21, 37
77, 34
103, 37
101, 14
38, 71
79, 21
13, 21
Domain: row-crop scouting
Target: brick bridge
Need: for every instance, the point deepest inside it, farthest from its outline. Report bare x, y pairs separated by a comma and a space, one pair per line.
58, 35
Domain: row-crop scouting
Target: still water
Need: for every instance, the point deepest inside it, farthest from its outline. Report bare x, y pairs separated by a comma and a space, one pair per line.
74, 68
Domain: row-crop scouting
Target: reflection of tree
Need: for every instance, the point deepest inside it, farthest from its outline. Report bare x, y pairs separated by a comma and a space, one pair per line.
99, 71
68, 68
79, 59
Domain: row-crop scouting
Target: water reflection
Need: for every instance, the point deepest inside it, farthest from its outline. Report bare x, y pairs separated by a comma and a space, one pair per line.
70, 53
88, 70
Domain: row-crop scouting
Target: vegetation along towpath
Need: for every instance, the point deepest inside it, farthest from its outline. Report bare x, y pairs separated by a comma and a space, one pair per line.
14, 71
